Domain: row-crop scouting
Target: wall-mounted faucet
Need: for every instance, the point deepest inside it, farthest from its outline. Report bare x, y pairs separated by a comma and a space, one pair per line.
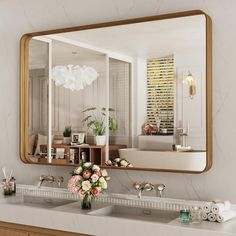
149, 187
143, 186
50, 179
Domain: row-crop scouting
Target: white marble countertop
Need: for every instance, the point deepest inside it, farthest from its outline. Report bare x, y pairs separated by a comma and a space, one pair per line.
71, 218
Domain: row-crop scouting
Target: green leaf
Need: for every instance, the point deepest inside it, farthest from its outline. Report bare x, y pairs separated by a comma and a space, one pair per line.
89, 109
92, 122
86, 119
110, 109
95, 121
67, 131
113, 125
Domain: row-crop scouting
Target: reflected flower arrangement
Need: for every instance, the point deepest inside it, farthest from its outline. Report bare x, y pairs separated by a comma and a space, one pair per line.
119, 162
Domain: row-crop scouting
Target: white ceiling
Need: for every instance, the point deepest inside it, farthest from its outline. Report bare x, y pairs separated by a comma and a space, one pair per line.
148, 39
62, 53
145, 40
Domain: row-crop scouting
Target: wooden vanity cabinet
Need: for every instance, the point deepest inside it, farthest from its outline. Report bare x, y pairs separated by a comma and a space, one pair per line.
12, 232
10, 229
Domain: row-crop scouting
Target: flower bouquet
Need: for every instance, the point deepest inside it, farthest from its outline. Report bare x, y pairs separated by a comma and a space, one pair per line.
89, 181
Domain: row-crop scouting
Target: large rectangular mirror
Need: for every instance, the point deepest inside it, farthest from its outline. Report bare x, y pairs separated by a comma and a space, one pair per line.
130, 94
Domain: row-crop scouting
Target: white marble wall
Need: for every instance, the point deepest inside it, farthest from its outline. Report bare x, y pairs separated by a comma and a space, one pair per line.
20, 16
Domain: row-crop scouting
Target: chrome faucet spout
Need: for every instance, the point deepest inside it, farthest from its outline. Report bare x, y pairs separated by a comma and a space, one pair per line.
143, 186
40, 183
60, 180
140, 192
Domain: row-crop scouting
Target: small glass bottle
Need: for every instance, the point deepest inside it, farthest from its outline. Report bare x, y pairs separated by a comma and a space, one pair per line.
13, 184
184, 216
196, 215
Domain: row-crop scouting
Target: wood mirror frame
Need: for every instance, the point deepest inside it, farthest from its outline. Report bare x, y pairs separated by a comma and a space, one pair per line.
24, 49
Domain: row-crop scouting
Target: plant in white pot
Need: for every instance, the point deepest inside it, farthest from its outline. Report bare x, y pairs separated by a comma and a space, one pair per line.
96, 122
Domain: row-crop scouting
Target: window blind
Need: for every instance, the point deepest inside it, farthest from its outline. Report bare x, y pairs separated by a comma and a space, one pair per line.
160, 92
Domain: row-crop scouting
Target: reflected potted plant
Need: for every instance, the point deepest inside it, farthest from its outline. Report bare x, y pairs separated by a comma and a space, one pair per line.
67, 135
96, 121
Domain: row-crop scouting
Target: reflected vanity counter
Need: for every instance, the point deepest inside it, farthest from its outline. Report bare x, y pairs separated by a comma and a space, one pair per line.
152, 159
31, 207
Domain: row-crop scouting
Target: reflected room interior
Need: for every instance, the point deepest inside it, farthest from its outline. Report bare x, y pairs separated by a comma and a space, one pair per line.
129, 96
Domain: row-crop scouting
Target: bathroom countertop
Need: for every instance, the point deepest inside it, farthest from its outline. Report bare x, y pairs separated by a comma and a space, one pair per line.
72, 219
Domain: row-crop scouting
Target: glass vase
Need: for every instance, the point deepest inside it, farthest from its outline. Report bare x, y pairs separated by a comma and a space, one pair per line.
7, 188
86, 203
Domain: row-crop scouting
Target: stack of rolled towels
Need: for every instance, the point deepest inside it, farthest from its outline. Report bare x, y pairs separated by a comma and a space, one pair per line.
218, 211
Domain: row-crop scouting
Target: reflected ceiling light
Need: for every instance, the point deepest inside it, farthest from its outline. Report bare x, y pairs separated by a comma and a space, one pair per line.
189, 80
74, 77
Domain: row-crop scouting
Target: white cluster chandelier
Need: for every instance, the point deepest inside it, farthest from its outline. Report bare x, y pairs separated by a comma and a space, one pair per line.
74, 77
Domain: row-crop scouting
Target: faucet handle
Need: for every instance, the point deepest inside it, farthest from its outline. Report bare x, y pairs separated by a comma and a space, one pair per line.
138, 186
148, 187
42, 177
160, 189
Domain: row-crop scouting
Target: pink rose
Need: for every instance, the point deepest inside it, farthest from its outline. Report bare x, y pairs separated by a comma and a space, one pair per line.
86, 185
96, 167
104, 173
78, 170
73, 184
86, 174
99, 189
94, 178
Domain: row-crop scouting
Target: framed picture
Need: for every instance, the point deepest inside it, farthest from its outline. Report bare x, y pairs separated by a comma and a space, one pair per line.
78, 137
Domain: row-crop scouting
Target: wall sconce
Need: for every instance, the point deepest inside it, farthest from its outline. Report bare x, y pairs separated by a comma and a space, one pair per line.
189, 80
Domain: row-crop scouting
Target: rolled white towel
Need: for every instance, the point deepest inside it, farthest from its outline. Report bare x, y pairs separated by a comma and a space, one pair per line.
219, 207
206, 207
211, 217
204, 216
225, 215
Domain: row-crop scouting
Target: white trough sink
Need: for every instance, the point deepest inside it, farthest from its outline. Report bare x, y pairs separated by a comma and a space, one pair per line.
137, 213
